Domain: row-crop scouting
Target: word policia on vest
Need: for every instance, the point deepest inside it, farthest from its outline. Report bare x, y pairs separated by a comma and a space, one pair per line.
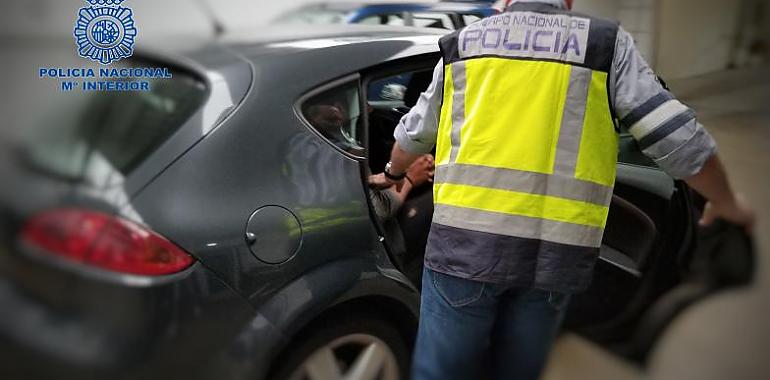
528, 35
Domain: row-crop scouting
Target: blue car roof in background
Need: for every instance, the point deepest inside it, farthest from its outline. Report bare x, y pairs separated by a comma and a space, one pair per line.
363, 10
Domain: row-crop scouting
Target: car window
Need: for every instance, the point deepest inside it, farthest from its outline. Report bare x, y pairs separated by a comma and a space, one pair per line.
470, 18
419, 19
314, 16
375, 20
432, 20
121, 129
391, 20
390, 89
389, 98
371, 20
336, 114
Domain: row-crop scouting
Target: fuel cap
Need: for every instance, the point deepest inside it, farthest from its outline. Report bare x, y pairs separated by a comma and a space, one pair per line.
273, 234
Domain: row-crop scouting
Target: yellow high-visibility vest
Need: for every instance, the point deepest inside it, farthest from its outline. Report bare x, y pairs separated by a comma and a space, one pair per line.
527, 146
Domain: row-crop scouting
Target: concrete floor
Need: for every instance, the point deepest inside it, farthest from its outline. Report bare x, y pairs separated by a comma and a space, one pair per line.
727, 336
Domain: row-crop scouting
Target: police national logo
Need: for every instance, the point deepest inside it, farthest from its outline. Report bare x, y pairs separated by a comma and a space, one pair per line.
105, 31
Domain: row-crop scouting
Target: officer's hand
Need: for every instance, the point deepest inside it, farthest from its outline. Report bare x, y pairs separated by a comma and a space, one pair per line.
738, 212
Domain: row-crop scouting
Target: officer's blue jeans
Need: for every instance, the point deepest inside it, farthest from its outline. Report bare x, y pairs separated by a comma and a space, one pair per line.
472, 330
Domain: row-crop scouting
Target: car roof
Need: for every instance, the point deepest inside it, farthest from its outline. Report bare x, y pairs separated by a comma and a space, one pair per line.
378, 9
279, 39
294, 33
288, 50
333, 47
444, 6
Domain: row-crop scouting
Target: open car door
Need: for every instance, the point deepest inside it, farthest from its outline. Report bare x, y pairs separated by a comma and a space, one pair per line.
655, 260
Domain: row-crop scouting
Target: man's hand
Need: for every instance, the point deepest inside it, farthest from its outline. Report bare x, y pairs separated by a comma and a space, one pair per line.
421, 171
712, 183
381, 182
737, 212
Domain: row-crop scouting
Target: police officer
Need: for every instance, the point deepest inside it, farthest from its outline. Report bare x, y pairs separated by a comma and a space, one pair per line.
521, 111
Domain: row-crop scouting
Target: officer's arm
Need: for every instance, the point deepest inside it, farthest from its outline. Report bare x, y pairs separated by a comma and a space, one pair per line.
668, 132
401, 159
712, 183
416, 132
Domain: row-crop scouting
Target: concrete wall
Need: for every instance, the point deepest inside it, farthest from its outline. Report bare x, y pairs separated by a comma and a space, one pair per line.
766, 21
696, 36
687, 38
600, 8
636, 16
754, 38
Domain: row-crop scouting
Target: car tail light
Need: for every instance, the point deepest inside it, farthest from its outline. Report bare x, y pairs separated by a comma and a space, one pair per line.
104, 241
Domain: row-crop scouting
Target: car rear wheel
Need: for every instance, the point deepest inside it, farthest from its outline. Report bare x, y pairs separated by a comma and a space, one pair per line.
356, 348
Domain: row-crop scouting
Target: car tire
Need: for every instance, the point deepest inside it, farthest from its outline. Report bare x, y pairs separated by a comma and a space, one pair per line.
335, 347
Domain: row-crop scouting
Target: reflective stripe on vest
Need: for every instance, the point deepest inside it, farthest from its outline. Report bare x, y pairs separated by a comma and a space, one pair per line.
526, 145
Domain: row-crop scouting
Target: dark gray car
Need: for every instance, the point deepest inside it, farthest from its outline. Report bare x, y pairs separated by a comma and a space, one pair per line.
219, 226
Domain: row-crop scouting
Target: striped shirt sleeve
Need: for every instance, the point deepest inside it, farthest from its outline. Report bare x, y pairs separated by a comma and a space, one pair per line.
666, 129
417, 131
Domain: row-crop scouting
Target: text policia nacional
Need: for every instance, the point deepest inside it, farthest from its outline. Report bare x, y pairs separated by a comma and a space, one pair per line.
528, 35
105, 79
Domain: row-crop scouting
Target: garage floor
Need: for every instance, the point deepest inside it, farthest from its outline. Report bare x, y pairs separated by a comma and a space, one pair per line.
728, 336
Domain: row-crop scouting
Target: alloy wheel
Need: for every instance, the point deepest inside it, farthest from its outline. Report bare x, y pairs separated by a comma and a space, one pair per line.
351, 357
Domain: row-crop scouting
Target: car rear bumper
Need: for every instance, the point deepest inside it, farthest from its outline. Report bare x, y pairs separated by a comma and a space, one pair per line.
65, 324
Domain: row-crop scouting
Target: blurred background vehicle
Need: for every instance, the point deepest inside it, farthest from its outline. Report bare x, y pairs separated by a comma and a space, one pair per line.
444, 15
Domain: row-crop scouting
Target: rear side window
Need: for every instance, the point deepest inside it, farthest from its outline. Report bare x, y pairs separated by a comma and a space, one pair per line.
432, 20
424, 20
470, 18
314, 15
118, 129
391, 20
391, 89
336, 114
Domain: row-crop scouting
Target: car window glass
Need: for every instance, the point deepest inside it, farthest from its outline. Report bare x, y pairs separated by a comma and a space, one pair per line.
388, 99
390, 89
314, 16
432, 20
121, 129
372, 20
387, 19
394, 20
336, 114
470, 18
